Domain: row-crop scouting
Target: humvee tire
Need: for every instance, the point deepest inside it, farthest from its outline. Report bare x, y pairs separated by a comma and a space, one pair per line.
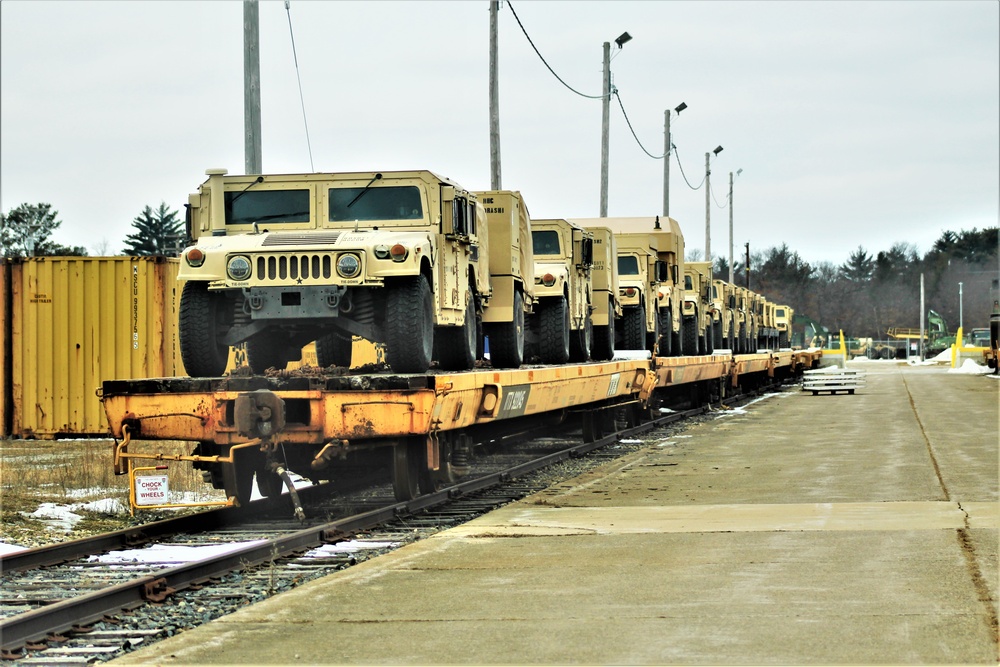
507, 338
201, 315
409, 325
457, 346
334, 349
554, 334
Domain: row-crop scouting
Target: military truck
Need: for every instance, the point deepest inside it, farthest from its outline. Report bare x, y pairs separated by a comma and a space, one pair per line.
512, 272
662, 308
743, 323
723, 314
767, 333
783, 323
561, 326
278, 261
607, 305
699, 334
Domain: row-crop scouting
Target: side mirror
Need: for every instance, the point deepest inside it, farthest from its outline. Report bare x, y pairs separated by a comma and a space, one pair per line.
660, 271
447, 193
587, 250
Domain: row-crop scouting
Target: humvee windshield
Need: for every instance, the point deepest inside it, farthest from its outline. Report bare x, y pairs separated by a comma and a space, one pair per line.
628, 265
545, 242
779, 312
687, 283
270, 206
376, 203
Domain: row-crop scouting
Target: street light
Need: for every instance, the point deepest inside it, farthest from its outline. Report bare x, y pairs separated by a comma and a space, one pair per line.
708, 204
606, 118
667, 146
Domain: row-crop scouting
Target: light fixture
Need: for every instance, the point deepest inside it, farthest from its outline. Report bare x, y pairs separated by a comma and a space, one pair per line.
624, 37
680, 107
718, 149
739, 171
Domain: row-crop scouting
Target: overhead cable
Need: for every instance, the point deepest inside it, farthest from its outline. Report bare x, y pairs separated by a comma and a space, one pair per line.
301, 98
591, 97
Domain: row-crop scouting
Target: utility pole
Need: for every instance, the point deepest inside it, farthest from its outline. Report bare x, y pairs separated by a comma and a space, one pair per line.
960, 310
708, 210
605, 122
666, 163
251, 87
730, 227
746, 263
494, 100
922, 316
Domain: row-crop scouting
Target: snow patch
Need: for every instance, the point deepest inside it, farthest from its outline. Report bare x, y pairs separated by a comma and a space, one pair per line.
347, 547
6, 548
970, 367
170, 553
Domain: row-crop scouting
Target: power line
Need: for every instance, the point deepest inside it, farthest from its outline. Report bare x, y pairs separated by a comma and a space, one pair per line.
591, 97
677, 153
629, 123
301, 98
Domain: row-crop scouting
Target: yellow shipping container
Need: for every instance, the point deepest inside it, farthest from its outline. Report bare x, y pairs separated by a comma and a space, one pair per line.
76, 321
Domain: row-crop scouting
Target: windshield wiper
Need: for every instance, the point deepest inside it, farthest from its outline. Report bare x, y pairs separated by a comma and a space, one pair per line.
360, 194
259, 179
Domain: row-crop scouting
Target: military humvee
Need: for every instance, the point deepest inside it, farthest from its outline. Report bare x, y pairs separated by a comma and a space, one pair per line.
279, 261
699, 334
783, 323
561, 325
723, 314
662, 306
607, 306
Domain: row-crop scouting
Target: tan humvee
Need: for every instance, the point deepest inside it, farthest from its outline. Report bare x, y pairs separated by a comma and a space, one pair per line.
743, 321
662, 308
767, 335
512, 276
783, 323
561, 327
723, 314
699, 335
281, 260
607, 306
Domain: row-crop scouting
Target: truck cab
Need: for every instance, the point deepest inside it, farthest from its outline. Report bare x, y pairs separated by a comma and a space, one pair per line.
783, 323
278, 261
561, 326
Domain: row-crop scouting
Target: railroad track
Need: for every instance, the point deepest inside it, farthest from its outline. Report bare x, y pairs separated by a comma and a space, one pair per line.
74, 603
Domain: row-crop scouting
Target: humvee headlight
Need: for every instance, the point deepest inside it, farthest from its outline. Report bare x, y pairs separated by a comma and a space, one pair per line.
382, 251
238, 267
398, 252
348, 265
194, 257
548, 280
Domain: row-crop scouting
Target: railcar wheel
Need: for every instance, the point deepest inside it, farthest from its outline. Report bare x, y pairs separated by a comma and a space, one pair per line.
458, 345
554, 333
269, 483
507, 338
201, 323
409, 325
334, 349
634, 328
406, 470
237, 477
581, 340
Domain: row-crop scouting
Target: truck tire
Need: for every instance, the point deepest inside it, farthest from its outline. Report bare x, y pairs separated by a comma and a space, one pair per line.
710, 339
265, 350
634, 328
731, 340
717, 335
782, 339
507, 338
604, 338
409, 325
691, 335
666, 318
334, 349
458, 345
553, 333
581, 339
200, 327
679, 349
742, 340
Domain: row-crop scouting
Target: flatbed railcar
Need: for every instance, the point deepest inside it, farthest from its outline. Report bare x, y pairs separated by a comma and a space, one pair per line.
420, 426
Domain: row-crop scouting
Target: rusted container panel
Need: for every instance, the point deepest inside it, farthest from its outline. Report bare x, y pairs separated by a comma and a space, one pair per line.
6, 381
77, 321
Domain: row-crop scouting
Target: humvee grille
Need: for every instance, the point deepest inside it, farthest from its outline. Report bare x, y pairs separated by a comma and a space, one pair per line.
307, 238
294, 267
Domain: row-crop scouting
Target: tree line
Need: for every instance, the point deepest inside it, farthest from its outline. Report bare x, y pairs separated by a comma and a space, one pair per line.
864, 296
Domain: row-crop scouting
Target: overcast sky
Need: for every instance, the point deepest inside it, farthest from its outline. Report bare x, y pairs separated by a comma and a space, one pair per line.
859, 122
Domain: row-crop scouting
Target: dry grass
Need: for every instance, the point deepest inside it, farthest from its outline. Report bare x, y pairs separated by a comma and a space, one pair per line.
74, 472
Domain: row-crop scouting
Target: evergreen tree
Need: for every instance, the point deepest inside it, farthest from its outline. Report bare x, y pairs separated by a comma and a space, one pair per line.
25, 232
859, 267
157, 232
